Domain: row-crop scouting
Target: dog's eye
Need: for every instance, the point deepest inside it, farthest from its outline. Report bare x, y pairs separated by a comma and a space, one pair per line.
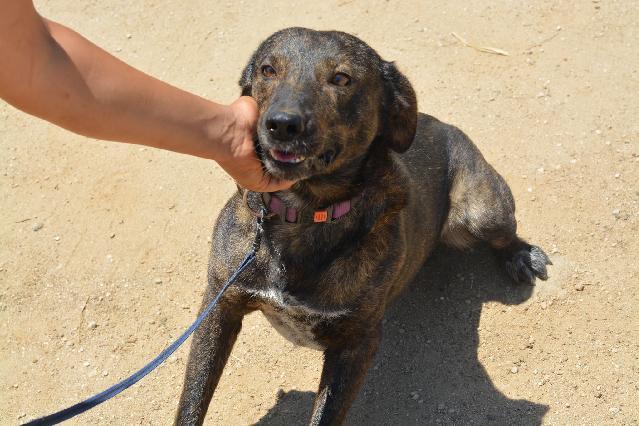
341, 79
268, 71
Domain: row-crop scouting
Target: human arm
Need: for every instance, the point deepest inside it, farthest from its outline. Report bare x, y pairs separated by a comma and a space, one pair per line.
56, 74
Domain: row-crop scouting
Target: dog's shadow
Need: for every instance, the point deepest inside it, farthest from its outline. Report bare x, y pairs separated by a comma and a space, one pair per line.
427, 370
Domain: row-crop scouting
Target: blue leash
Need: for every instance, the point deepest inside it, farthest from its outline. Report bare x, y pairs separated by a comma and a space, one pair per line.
105, 395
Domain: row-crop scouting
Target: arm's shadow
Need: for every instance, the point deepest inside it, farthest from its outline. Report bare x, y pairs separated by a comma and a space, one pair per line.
430, 347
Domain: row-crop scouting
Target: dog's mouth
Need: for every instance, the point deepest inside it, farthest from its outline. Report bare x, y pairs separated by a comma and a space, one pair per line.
286, 157
290, 158
289, 163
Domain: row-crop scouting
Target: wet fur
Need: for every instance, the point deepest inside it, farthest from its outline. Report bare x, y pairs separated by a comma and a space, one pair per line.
417, 180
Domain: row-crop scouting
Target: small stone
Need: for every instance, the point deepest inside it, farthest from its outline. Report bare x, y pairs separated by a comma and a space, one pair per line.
56, 238
112, 235
92, 325
105, 373
514, 370
544, 305
617, 175
86, 363
616, 213
37, 226
579, 287
613, 410
15, 386
129, 36
158, 281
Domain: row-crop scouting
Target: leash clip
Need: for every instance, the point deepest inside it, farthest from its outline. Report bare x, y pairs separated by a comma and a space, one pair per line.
260, 215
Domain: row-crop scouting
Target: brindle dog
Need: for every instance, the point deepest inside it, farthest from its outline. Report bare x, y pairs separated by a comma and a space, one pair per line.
344, 124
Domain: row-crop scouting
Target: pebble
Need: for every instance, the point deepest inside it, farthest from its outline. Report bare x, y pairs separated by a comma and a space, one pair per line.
158, 281
616, 213
105, 373
37, 226
112, 235
86, 363
544, 305
56, 238
92, 325
129, 36
514, 370
579, 287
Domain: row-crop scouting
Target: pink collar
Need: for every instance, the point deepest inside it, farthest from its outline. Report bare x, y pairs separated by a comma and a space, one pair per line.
276, 206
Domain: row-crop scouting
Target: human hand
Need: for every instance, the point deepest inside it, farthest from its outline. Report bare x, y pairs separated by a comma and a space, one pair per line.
237, 154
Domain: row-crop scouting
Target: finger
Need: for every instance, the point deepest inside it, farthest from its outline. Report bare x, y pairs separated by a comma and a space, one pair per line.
273, 185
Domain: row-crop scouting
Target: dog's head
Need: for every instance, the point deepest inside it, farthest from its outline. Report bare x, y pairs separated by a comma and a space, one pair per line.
325, 97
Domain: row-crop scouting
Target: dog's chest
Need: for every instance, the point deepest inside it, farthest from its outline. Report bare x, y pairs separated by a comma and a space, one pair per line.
295, 321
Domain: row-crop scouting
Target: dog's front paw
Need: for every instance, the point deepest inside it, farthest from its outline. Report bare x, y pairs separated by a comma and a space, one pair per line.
527, 264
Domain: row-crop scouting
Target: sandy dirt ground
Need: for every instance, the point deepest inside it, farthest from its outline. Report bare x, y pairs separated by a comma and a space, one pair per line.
103, 247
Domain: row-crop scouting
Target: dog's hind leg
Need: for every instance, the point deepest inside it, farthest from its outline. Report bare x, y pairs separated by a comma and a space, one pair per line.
210, 349
482, 209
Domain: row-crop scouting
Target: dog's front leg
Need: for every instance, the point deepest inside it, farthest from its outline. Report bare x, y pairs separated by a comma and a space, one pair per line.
342, 376
210, 349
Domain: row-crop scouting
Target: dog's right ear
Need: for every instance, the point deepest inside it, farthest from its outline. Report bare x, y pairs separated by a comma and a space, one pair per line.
246, 81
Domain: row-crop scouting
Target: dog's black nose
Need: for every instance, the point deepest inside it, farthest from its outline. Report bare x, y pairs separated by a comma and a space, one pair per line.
284, 126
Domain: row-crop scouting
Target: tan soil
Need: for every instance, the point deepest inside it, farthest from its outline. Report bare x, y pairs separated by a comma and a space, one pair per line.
558, 118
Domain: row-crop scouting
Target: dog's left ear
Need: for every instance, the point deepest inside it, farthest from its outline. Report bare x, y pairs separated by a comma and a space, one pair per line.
399, 111
246, 81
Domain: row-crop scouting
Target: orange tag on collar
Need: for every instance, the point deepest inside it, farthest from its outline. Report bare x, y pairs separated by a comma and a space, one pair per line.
320, 216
